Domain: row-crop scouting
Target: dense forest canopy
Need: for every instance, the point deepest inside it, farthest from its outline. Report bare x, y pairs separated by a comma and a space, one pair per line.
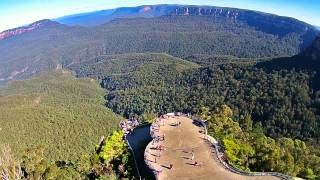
249, 149
111, 159
64, 114
282, 100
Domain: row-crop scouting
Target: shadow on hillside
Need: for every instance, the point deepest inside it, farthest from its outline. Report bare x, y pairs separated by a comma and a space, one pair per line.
139, 139
297, 63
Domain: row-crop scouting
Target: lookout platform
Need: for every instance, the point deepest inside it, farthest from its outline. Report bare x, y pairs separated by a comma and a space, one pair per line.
180, 150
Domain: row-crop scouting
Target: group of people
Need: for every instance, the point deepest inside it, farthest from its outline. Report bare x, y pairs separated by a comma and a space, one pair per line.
157, 147
148, 161
128, 125
155, 127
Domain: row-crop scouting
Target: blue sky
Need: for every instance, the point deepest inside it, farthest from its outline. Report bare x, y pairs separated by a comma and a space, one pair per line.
14, 13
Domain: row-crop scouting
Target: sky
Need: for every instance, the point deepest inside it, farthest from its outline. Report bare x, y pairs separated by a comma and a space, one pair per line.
15, 13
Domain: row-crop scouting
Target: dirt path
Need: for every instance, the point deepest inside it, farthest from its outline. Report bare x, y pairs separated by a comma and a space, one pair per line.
179, 143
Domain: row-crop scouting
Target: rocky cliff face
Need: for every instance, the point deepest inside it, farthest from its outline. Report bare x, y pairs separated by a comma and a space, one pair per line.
199, 11
269, 23
21, 30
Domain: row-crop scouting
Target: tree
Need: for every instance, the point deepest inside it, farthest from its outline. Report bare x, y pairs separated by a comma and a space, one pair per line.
308, 173
85, 165
116, 154
68, 173
252, 150
232, 150
226, 111
148, 117
247, 123
36, 166
9, 166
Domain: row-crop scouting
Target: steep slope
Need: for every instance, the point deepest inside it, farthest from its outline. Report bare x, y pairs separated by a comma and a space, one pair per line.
40, 49
308, 59
187, 35
65, 114
313, 52
21, 30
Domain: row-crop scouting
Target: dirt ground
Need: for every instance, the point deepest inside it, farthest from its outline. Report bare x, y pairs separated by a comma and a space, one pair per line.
179, 143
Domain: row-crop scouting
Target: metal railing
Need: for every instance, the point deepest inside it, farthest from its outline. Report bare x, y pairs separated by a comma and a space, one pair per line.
229, 167
134, 159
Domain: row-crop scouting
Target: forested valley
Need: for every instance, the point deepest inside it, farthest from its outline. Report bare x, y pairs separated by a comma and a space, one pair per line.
277, 105
56, 45
50, 129
185, 86
253, 77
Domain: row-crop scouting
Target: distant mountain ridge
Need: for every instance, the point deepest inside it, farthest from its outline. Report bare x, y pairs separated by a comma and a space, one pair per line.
268, 23
249, 16
24, 29
100, 17
178, 30
260, 20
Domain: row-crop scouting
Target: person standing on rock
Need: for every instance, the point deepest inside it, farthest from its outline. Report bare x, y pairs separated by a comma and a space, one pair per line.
163, 136
192, 156
159, 171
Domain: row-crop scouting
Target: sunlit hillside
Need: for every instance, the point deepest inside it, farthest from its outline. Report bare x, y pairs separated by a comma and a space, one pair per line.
55, 109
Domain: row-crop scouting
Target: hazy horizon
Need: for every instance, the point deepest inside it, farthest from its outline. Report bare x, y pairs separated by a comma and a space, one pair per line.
16, 13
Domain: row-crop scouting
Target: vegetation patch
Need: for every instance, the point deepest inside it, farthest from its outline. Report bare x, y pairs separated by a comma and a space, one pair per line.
64, 114
249, 149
